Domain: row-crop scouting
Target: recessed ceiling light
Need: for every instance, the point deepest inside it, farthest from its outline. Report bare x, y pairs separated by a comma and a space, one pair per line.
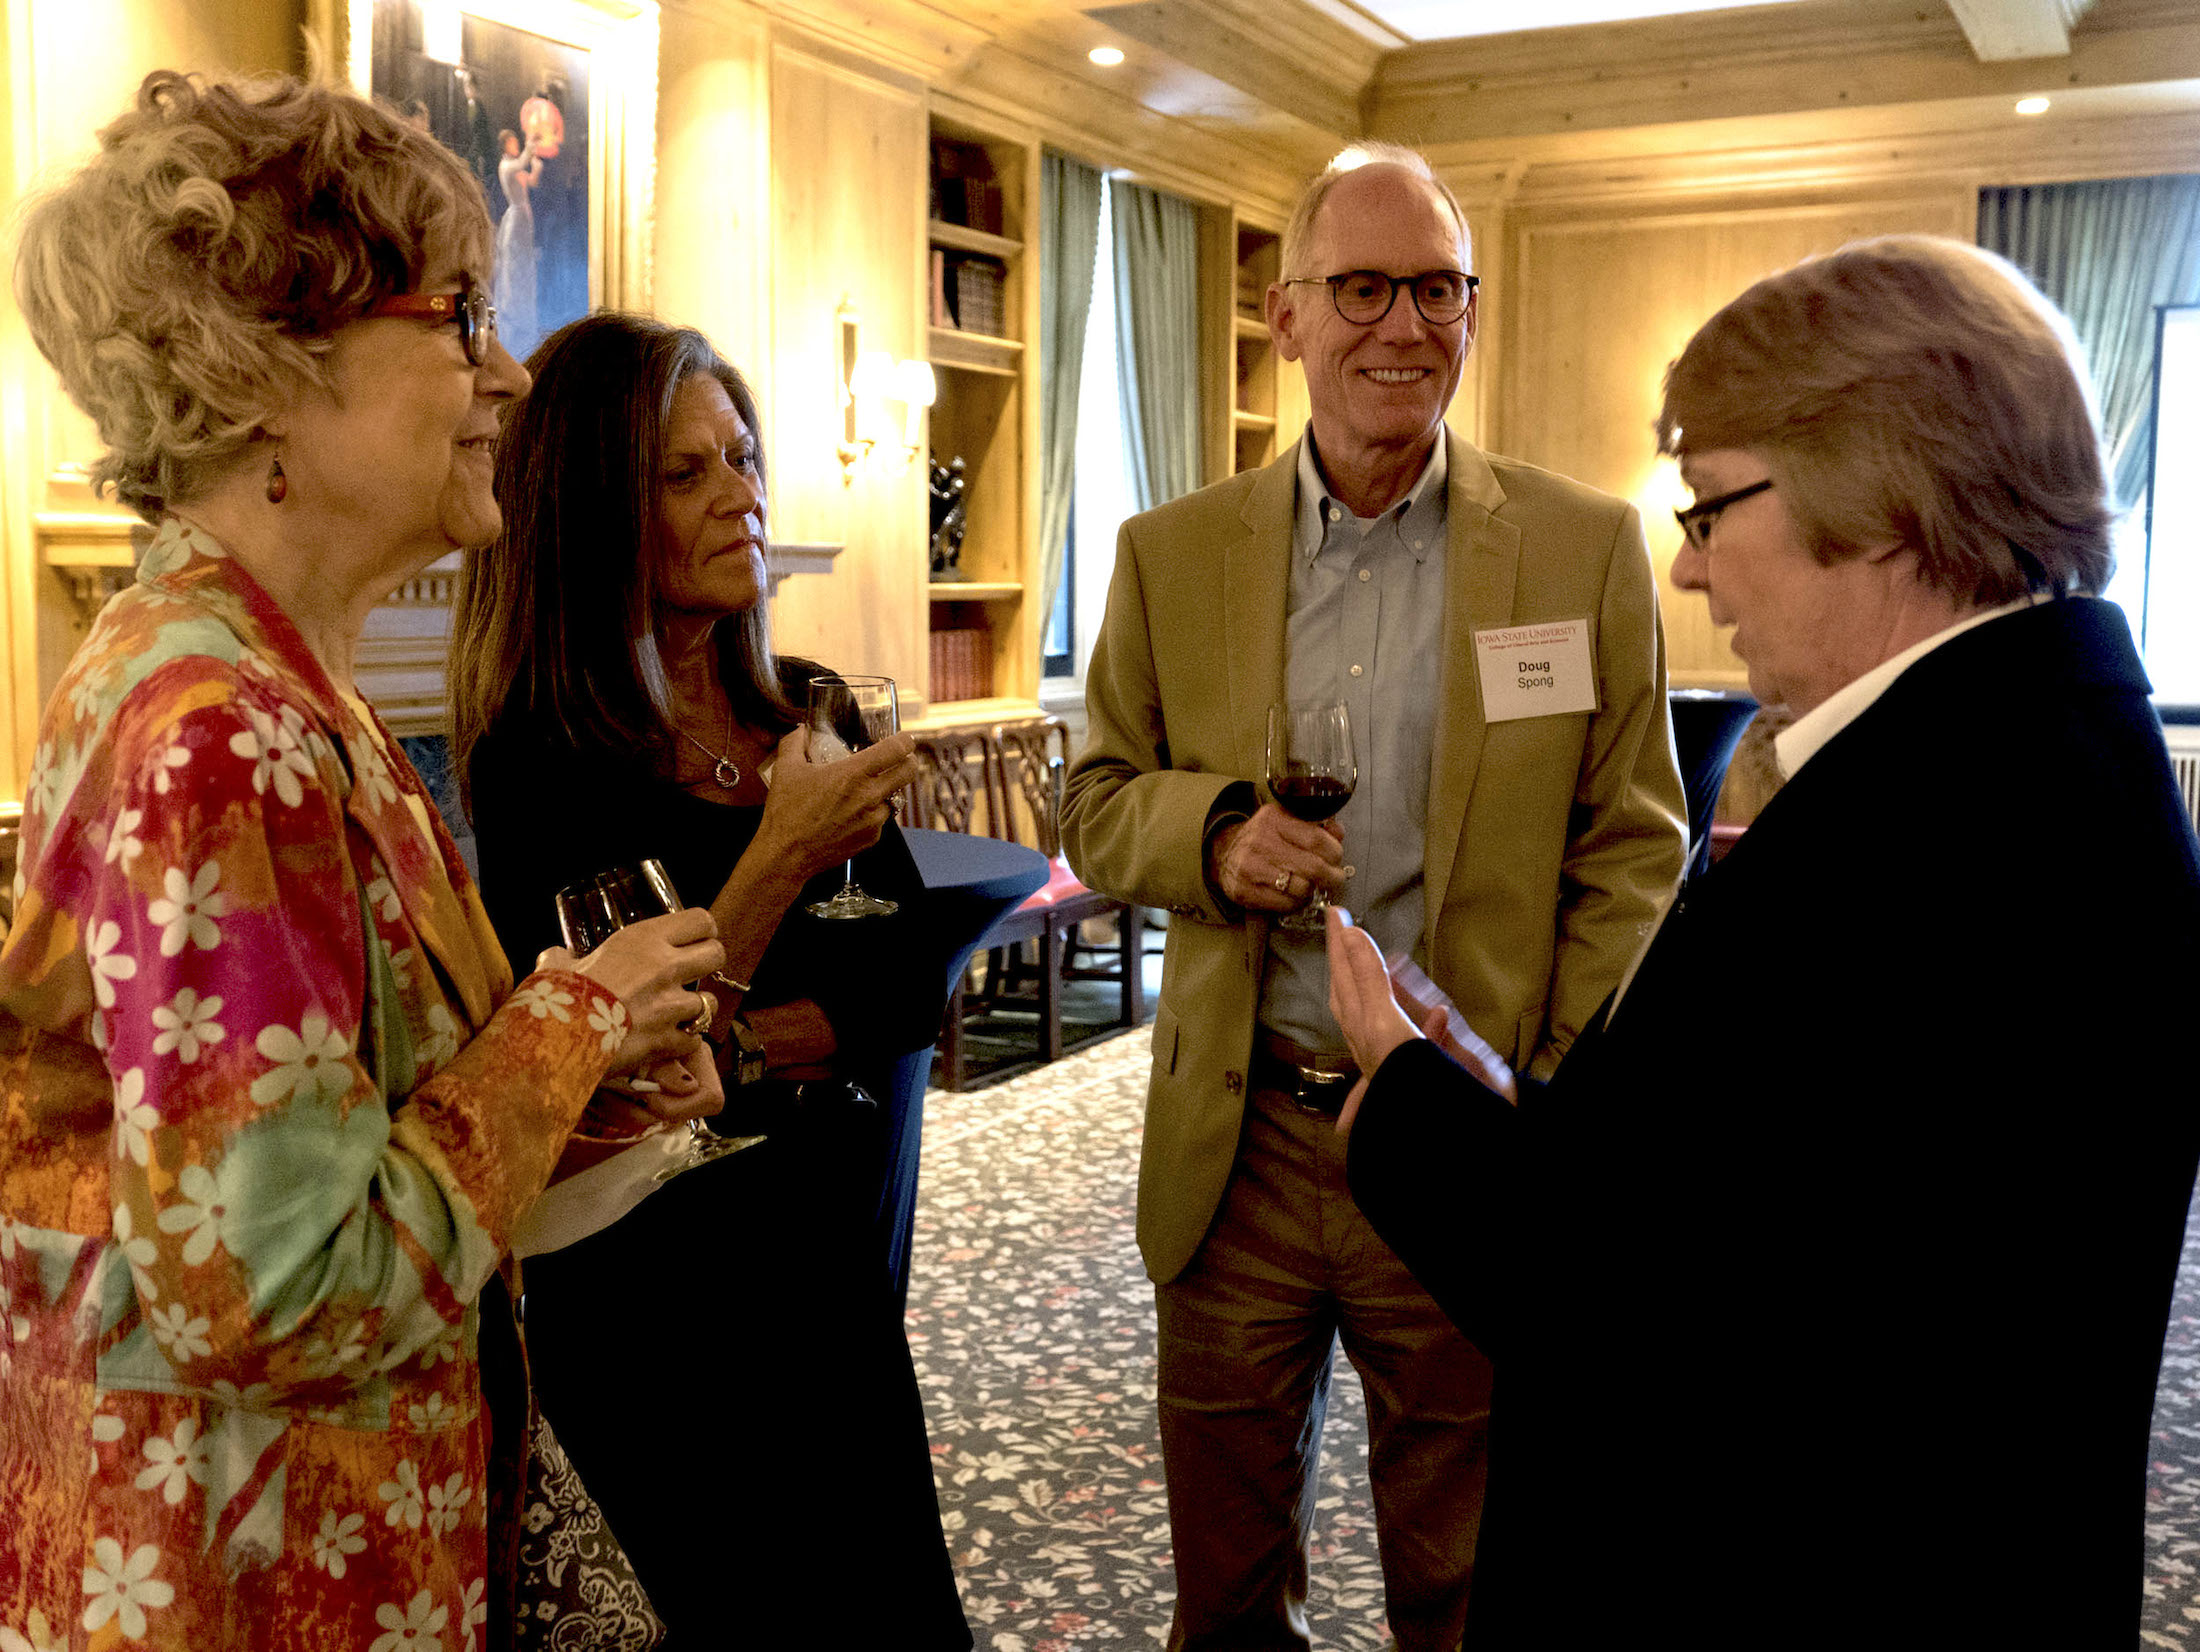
1106, 56
2031, 106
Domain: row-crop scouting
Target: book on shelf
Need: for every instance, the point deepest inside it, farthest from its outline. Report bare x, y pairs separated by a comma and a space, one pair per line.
964, 190
977, 291
942, 314
962, 664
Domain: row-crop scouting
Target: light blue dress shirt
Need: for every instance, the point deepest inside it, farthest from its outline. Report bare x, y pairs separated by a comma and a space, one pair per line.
1365, 630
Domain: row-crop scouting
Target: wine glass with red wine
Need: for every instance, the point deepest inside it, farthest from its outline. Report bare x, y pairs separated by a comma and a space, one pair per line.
589, 913
1311, 773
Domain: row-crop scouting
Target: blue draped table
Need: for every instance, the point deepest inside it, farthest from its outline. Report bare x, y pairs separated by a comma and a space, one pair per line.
970, 883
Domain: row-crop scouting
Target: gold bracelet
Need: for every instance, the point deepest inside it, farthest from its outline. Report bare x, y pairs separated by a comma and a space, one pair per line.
727, 981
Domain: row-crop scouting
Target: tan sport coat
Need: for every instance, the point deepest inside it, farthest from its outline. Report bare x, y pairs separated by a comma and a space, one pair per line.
1551, 844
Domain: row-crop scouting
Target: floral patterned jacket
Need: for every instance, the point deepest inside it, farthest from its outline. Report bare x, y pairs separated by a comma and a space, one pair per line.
269, 1109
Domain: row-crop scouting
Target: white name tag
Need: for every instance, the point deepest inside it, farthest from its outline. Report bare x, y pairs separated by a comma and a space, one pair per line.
1535, 670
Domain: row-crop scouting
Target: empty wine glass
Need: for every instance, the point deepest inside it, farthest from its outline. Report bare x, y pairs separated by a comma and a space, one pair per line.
588, 914
1312, 774
846, 715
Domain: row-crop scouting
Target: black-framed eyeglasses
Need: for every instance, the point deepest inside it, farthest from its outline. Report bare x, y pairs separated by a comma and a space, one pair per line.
1696, 521
1364, 297
477, 317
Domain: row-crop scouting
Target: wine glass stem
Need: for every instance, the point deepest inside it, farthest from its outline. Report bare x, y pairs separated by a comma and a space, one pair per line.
848, 875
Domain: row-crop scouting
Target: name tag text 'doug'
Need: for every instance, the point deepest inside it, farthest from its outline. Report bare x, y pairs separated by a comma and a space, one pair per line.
1535, 670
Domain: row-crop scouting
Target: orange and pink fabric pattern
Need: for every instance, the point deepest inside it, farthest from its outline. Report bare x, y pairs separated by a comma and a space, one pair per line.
269, 1108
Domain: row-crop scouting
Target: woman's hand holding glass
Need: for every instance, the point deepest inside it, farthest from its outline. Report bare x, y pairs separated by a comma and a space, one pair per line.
820, 814
648, 965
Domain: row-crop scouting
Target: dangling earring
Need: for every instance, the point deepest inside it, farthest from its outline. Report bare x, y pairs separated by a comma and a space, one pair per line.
278, 485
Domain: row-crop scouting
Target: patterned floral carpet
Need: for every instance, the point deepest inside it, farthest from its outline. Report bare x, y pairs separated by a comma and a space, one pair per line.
1032, 1324
2172, 1615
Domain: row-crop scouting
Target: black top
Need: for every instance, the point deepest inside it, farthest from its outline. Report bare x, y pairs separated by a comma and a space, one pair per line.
737, 1334
1826, 1281
546, 816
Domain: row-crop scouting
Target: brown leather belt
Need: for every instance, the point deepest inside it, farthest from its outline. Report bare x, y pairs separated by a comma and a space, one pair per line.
1315, 1080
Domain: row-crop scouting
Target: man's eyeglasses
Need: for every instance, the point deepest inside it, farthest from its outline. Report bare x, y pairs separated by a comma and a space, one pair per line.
1696, 521
477, 317
1364, 297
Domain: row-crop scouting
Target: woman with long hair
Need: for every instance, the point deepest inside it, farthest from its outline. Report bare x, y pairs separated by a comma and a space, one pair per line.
616, 696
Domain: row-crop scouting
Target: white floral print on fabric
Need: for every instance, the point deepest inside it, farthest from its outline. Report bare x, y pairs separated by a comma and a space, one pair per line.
170, 760
473, 1609
139, 1251
202, 1212
276, 748
187, 909
135, 1118
382, 896
187, 1024
124, 1588
418, 1628
108, 965
545, 998
123, 843
309, 1062
180, 1332
175, 1462
336, 1539
406, 1505
348, 1350
38, 1635
441, 1044
610, 1020
445, 1501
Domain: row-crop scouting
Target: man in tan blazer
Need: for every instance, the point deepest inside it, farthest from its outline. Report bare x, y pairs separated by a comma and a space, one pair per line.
1492, 630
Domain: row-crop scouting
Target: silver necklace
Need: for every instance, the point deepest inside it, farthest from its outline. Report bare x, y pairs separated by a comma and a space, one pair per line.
725, 771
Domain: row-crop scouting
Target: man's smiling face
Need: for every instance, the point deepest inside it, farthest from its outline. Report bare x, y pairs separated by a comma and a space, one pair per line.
1384, 385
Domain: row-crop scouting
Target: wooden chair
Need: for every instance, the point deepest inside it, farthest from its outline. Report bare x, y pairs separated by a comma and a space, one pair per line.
1030, 764
1007, 782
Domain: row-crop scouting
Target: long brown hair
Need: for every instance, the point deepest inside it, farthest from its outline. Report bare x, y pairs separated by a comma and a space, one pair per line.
553, 624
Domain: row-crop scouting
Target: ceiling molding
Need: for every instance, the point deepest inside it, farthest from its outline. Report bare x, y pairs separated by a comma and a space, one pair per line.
1289, 56
2003, 30
2106, 146
1829, 55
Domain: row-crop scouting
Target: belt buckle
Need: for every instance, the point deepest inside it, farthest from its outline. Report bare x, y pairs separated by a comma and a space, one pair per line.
1313, 1083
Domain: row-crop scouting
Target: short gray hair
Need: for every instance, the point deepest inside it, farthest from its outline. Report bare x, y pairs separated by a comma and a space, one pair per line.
1366, 152
1910, 390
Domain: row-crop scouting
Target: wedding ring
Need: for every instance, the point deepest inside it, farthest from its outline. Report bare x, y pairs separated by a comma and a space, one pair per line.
699, 1023
1283, 883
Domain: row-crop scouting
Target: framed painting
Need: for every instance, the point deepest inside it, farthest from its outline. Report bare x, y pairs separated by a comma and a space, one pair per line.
544, 101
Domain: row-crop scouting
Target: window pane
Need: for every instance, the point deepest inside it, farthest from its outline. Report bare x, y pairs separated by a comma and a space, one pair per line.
2172, 640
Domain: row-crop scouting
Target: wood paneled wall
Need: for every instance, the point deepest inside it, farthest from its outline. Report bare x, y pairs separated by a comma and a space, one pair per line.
1595, 305
848, 155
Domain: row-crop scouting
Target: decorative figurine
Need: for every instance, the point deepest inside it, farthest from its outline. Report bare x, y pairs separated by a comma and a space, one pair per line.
949, 485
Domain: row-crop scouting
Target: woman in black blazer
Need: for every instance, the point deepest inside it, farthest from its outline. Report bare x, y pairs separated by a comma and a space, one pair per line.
1826, 1280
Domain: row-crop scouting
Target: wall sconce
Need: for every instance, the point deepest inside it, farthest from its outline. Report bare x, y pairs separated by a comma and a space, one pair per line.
867, 378
916, 386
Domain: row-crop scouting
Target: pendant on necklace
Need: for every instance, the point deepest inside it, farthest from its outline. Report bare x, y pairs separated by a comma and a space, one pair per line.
727, 773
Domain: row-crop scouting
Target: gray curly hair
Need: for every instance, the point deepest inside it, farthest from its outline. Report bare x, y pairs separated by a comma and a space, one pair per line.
187, 281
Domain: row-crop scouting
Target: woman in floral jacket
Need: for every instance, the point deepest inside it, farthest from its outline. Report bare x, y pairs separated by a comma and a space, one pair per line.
270, 1106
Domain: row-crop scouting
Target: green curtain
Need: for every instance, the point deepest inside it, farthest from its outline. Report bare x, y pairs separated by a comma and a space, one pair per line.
1157, 358
2108, 253
1069, 242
